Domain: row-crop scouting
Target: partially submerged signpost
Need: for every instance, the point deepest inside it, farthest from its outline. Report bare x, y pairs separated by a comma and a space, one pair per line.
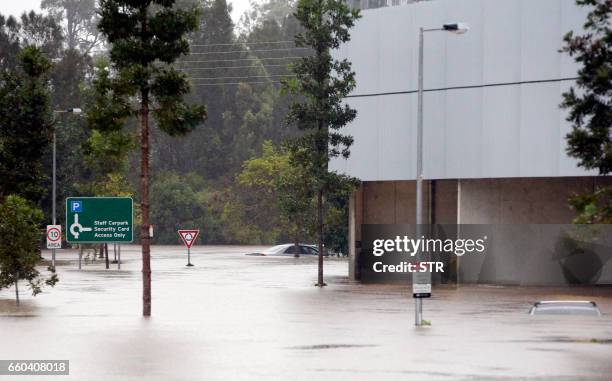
421, 288
99, 220
54, 236
54, 240
189, 237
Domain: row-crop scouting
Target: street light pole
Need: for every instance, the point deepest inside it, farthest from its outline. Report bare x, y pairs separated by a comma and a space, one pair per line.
418, 302
458, 28
54, 186
54, 222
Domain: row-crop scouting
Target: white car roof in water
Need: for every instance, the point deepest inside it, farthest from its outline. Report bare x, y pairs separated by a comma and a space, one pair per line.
276, 249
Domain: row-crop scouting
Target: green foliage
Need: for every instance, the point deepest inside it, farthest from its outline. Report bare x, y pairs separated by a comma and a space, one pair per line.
105, 152
274, 201
19, 244
146, 36
31, 29
590, 111
81, 19
9, 42
296, 201
323, 82
69, 80
593, 208
236, 115
26, 131
183, 202
254, 201
106, 112
336, 207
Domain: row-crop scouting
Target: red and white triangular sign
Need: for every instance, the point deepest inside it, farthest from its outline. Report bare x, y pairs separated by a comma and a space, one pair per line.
189, 236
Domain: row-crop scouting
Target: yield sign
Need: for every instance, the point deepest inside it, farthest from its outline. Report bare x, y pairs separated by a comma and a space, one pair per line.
189, 237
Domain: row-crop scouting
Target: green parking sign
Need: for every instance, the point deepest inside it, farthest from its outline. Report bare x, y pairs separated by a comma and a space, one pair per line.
99, 219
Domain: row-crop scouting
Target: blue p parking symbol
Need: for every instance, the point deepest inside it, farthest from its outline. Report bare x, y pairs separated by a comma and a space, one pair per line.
76, 206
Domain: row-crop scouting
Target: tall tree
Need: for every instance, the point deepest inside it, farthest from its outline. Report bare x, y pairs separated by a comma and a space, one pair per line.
296, 201
26, 130
323, 83
146, 37
81, 20
19, 245
590, 108
33, 29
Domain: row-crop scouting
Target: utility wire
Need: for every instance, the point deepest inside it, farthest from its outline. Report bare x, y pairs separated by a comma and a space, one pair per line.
250, 51
499, 84
247, 76
243, 59
245, 43
231, 83
230, 67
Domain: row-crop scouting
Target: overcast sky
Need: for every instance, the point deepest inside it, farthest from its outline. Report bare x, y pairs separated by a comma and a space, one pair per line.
17, 7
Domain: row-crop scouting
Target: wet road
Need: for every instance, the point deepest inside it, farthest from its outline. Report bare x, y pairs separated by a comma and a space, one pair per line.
236, 317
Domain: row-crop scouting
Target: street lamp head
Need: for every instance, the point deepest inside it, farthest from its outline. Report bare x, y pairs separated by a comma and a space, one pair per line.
457, 28
75, 110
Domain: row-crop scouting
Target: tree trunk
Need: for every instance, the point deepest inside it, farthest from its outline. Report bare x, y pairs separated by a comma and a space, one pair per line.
17, 289
297, 246
106, 255
71, 37
144, 204
320, 282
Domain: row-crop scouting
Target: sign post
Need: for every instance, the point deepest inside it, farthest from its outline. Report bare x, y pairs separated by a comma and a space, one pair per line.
189, 237
54, 240
421, 284
99, 219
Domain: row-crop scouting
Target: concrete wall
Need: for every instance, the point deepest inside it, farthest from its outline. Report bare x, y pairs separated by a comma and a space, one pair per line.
522, 201
523, 252
393, 202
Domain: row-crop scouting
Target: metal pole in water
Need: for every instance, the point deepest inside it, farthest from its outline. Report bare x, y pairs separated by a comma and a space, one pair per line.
418, 303
189, 257
53, 197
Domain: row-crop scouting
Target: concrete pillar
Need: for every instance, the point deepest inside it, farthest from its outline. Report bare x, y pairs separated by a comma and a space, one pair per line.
351, 238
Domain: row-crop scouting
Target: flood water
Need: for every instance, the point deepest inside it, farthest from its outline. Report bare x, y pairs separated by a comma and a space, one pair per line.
237, 317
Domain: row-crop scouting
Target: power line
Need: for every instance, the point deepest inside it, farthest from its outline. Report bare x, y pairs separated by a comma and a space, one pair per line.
231, 67
464, 87
231, 83
247, 76
245, 43
250, 51
243, 59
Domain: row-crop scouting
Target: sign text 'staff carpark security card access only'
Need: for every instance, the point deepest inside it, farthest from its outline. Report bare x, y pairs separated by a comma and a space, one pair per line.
99, 219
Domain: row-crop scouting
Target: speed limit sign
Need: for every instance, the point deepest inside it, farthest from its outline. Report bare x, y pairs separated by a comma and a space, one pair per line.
54, 236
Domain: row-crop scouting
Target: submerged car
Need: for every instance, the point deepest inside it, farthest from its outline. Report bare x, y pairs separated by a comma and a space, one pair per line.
288, 249
565, 307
